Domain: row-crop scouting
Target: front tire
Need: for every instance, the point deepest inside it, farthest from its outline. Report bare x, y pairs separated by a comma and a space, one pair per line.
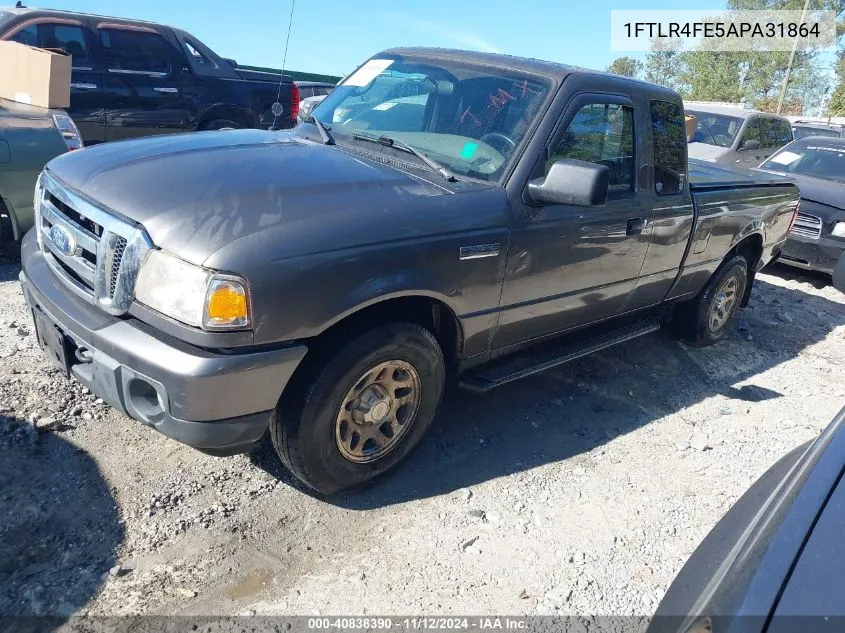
705, 320
362, 410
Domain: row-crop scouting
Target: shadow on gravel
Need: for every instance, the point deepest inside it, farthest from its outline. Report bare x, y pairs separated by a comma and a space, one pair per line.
59, 528
790, 273
580, 406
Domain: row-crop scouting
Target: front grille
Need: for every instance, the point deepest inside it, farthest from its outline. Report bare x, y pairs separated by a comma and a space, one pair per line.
807, 226
117, 256
95, 253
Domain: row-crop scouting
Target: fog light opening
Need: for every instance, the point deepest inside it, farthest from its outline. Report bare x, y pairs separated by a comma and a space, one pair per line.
145, 399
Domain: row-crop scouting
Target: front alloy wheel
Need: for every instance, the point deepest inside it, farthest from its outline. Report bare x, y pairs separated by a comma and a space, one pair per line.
378, 411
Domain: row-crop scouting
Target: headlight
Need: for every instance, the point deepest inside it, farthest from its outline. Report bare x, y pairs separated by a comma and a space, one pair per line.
37, 196
838, 229
193, 295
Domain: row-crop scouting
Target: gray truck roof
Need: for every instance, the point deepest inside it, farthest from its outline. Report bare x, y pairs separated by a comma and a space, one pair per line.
19, 11
535, 66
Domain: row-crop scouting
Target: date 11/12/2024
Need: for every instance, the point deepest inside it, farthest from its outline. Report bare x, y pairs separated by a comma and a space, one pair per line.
480, 623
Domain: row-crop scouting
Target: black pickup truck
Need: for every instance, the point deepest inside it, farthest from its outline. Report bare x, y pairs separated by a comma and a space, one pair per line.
443, 214
133, 78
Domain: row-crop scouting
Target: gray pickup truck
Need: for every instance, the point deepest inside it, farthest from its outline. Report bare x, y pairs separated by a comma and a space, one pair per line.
443, 215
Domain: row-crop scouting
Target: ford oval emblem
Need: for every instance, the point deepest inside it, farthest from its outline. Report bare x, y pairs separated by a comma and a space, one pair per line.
63, 240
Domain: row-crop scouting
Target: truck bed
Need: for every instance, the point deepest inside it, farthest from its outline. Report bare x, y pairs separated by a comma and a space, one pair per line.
704, 176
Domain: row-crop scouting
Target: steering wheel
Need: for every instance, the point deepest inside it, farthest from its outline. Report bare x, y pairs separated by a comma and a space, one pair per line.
501, 143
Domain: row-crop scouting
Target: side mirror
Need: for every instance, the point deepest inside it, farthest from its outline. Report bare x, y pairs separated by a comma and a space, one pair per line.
750, 144
572, 181
230, 60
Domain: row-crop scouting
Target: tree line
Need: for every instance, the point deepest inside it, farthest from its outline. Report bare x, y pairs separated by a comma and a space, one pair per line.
753, 78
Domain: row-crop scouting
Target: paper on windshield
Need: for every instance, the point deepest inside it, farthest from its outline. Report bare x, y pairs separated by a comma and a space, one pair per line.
385, 106
366, 73
785, 158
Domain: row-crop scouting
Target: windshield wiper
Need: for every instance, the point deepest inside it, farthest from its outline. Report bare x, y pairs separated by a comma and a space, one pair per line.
325, 132
402, 145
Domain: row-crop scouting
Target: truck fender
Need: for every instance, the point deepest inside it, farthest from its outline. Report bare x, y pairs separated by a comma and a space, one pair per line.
754, 227
397, 285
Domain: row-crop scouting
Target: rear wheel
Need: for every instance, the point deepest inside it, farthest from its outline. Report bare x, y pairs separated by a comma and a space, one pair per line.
705, 320
221, 124
362, 410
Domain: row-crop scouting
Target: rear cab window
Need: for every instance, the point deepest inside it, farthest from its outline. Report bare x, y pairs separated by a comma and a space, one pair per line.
134, 50
669, 138
775, 132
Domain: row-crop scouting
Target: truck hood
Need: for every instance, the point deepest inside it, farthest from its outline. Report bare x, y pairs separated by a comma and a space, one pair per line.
821, 190
196, 193
705, 151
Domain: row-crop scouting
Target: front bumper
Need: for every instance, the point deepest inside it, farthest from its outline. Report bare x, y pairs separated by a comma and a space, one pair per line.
819, 254
220, 403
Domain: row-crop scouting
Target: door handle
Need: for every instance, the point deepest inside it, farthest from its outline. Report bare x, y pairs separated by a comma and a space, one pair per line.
81, 85
166, 90
635, 226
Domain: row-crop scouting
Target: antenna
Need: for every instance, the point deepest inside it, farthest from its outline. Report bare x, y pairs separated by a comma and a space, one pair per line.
277, 107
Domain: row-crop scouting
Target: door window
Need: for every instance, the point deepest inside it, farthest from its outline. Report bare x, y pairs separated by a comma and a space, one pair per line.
194, 54
28, 36
601, 133
670, 147
67, 37
751, 133
135, 51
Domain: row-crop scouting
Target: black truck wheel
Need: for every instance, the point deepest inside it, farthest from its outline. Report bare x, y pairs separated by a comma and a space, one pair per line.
220, 124
362, 410
704, 320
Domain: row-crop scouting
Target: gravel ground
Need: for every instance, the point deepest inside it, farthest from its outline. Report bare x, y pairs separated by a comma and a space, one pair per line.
581, 491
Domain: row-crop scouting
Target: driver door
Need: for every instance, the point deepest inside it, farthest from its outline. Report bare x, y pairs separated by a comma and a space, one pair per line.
567, 265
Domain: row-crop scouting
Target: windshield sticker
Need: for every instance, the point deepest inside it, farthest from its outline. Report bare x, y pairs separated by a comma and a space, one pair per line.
369, 71
825, 148
385, 106
785, 158
469, 150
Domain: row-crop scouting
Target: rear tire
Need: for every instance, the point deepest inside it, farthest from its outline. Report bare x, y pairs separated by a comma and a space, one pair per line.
220, 124
385, 386
706, 319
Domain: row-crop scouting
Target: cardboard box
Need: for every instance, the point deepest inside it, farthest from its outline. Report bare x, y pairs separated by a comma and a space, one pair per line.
691, 123
37, 76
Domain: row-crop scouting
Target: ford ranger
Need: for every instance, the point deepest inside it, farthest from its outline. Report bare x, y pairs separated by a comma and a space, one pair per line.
441, 214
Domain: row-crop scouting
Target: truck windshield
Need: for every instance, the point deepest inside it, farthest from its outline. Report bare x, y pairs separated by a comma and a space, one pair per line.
468, 118
715, 129
821, 161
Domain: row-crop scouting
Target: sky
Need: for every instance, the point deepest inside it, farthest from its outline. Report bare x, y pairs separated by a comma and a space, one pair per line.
334, 36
